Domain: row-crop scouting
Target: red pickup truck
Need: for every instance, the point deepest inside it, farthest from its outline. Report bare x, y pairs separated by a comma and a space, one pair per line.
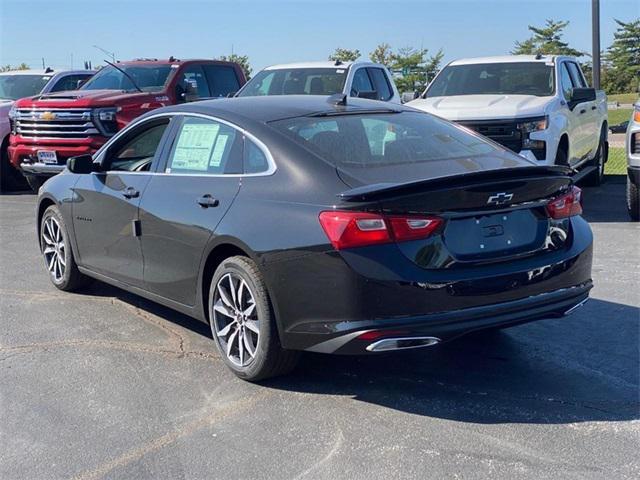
48, 129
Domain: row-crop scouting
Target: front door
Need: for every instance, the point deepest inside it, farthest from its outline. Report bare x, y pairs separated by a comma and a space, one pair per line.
184, 202
105, 209
575, 118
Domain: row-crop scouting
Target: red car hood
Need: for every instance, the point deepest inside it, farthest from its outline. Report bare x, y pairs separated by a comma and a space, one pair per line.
88, 98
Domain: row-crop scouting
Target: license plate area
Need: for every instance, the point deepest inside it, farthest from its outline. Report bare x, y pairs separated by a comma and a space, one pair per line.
47, 156
495, 235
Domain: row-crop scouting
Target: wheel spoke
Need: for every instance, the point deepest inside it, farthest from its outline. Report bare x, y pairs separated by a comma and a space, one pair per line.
233, 292
249, 310
225, 330
57, 270
46, 234
240, 293
247, 342
220, 307
48, 249
241, 346
61, 259
225, 297
51, 262
232, 338
252, 325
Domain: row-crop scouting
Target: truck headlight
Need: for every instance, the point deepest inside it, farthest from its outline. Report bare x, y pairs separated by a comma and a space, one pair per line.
533, 125
105, 119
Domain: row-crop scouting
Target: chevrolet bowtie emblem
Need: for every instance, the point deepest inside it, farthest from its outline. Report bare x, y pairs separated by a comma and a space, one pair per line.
47, 116
499, 198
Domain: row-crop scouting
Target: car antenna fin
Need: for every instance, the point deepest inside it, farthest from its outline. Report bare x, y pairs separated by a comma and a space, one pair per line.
338, 99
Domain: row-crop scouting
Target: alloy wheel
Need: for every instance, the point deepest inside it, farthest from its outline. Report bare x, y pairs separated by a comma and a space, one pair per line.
54, 248
235, 319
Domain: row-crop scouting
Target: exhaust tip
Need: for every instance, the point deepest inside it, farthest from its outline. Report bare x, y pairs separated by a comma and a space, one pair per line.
403, 343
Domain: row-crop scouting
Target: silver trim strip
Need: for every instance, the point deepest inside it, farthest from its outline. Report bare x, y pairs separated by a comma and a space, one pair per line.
390, 344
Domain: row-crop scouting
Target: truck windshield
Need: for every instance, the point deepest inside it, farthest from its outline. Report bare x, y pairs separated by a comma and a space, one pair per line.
149, 78
13, 87
296, 81
517, 78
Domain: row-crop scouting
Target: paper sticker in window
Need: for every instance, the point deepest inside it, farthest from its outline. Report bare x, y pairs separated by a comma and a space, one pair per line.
218, 150
195, 146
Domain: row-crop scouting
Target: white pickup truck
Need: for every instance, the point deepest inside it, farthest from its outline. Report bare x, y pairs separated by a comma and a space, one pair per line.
354, 79
538, 106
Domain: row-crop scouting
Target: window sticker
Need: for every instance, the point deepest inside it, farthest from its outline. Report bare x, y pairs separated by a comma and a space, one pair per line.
195, 146
218, 150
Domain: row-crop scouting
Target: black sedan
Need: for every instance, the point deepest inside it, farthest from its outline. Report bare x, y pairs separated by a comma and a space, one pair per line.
323, 224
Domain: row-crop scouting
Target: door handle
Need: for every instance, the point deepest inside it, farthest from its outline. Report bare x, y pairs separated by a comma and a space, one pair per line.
130, 192
207, 201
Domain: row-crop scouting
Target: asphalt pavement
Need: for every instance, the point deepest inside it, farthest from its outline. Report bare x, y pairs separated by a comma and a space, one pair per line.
104, 384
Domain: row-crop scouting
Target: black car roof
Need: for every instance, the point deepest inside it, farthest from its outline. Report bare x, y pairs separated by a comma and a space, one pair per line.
276, 107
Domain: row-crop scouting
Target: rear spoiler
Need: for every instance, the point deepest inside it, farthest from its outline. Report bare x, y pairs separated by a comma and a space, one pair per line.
367, 192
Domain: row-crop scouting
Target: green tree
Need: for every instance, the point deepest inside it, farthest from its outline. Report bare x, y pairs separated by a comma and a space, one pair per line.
413, 69
546, 40
344, 55
242, 60
382, 54
8, 68
621, 66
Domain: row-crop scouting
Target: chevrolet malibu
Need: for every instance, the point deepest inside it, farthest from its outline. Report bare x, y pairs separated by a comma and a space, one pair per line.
325, 224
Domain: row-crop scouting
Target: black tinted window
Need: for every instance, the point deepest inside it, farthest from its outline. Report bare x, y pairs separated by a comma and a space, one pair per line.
222, 80
381, 83
194, 76
255, 161
517, 78
576, 76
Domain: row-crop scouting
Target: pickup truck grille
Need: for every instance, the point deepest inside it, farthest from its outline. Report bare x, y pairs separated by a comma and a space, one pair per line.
504, 133
54, 123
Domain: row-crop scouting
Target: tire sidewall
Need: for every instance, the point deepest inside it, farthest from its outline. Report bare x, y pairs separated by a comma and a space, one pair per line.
263, 308
68, 256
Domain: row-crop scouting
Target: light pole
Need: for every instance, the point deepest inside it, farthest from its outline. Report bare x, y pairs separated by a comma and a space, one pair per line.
111, 54
595, 42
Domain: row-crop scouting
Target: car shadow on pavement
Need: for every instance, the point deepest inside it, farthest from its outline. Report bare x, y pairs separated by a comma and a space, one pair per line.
606, 203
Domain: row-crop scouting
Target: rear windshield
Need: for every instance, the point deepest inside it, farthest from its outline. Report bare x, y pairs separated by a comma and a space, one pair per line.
149, 78
13, 87
373, 140
296, 81
517, 78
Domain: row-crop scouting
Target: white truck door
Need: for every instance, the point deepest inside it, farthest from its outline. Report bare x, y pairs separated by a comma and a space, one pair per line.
575, 120
590, 109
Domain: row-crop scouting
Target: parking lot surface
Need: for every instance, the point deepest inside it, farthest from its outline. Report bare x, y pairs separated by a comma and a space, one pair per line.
104, 384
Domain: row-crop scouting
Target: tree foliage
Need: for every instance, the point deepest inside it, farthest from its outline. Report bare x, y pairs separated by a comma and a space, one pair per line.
8, 68
412, 67
344, 55
242, 60
546, 40
382, 54
621, 66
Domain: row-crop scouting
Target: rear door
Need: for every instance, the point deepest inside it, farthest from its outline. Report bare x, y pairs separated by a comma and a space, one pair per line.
184, 202
105, 209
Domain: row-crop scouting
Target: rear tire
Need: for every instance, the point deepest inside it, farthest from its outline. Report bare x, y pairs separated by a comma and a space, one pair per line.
596, 178
58, 255
243, 324
633, 200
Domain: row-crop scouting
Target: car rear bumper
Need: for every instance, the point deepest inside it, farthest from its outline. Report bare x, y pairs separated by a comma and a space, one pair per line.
340, 296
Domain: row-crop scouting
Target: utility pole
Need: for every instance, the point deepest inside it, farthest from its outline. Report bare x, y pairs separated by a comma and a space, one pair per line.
595, 42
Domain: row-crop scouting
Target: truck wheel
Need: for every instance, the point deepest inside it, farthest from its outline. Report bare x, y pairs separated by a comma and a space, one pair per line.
633, 200
56, 250
596, 178
243, 324
10, 178
34, 181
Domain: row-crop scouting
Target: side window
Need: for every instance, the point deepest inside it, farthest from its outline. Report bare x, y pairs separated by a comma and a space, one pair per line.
576, 76
255, 161
192, 85
382, 84
222, 80
205, 146
565, 81
361, 82
136, 152
69, 82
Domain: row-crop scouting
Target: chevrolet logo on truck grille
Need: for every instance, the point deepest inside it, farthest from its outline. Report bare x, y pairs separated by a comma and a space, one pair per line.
499, 198
48, 116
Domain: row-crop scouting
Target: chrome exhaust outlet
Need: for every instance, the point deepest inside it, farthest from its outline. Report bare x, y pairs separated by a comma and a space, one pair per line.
388, 344
575, 307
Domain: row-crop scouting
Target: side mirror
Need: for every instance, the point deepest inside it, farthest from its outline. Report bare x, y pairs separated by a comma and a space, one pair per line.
190, 91
408, 96
80, 83
81, 164
580, 95
370, 94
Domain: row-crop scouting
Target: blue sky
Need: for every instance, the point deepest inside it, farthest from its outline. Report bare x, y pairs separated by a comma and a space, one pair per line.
278, 31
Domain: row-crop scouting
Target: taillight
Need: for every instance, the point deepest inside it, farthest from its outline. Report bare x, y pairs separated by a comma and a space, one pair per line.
566, 205
358, 229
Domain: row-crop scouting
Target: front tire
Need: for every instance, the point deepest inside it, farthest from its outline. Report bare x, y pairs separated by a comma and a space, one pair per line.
56, 250
243, 324
633, 200
596, 178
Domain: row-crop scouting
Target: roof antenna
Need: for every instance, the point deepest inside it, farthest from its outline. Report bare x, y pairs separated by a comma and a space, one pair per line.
337, 62
538, 56
338, 99
48, 70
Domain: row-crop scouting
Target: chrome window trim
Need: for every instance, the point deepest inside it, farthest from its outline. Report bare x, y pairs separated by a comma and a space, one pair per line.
270, 171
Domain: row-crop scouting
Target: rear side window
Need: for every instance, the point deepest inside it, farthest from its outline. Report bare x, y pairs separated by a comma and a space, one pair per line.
204, 146
576, 76
565, 81
222, 80
255, 160
361, 82
193, 75
381, 83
